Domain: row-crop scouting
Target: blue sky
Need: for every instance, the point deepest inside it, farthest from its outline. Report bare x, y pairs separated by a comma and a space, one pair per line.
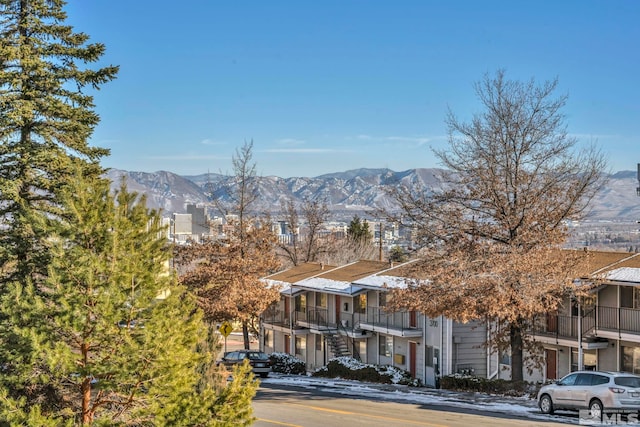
329, 86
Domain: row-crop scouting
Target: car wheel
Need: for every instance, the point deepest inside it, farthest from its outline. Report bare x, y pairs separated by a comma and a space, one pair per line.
546, 405
595, 409
264, 374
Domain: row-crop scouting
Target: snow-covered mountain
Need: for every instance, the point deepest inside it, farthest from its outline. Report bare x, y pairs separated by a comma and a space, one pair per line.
347, 192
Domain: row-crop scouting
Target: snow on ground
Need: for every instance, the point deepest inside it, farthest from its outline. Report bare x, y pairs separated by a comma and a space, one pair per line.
518, 406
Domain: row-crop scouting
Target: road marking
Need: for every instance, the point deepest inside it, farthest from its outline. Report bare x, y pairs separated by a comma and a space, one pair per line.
278, 423
380, 417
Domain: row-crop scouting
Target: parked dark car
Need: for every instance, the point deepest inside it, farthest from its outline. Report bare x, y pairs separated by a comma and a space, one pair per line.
596, 391
258, 360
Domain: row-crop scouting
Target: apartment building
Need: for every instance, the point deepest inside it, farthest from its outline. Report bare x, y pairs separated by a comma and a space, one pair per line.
600, 331
327, 311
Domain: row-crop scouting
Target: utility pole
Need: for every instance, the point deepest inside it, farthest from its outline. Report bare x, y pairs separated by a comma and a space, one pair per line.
380, 236
638, 187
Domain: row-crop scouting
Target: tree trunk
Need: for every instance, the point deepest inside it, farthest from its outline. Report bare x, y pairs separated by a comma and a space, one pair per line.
245, 334
87, 414
515, 335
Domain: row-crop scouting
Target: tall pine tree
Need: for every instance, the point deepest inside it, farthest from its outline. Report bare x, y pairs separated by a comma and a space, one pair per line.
113, 336
46, 118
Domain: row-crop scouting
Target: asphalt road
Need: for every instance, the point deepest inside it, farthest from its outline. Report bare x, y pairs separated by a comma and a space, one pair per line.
280, 405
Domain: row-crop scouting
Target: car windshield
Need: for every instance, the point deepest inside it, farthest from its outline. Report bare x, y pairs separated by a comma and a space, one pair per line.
257, 356
628, 381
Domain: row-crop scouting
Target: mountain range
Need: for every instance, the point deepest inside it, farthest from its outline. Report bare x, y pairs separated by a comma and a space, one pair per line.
346, 193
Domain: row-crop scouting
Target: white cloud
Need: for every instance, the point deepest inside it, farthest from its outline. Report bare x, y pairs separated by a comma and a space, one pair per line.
414, 140
188, 157
290, 141
305, 150
208, 141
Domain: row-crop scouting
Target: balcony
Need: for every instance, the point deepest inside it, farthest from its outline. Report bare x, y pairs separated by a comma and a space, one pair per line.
553, 325
598, 321
399, 323
275, 317
619, 320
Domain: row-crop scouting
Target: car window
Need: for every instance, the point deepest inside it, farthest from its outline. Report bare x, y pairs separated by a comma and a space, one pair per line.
568, 380
583, 379
599, 379
627, 381
232, 355
258, 356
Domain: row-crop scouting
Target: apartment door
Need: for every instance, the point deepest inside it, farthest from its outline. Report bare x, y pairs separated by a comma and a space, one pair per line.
413, 350
413, 319
552, 322
551, 358
287, 344
337, 309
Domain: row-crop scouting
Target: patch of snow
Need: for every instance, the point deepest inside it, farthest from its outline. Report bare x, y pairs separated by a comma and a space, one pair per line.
624, 274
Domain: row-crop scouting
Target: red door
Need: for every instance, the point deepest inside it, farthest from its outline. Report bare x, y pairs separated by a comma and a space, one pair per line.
552, 322
413, 319
287, 344
550, 358
413, 347
337, 309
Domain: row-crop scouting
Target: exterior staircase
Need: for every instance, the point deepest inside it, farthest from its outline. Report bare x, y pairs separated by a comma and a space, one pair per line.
337, 344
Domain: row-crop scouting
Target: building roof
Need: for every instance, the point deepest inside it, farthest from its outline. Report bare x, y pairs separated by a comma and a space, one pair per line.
350, 279
624, 274
616, 266
356, 277
300, 272
354, 271
342, 280
602, 261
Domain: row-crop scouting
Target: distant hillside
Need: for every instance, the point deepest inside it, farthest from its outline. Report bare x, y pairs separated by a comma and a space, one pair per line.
346, 193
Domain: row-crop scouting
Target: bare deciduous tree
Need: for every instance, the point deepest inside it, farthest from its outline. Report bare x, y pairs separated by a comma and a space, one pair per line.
306, 244
491, 240
225, 272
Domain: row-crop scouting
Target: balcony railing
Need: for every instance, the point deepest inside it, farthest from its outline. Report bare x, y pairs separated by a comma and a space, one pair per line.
378, 317
275, 317
621, 319
317, 317
310, 315
556, 326
612, 319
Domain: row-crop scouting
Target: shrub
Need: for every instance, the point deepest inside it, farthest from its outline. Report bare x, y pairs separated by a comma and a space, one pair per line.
287, 364
459, 382
352, 369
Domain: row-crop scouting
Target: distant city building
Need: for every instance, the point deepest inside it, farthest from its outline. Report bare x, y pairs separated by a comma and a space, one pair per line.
282, 227
181, 224
199, 220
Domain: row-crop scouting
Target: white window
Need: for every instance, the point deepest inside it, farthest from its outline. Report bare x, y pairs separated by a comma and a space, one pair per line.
386, 345
321, 300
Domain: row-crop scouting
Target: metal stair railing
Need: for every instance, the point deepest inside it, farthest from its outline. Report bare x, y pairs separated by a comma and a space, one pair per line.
351, 343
